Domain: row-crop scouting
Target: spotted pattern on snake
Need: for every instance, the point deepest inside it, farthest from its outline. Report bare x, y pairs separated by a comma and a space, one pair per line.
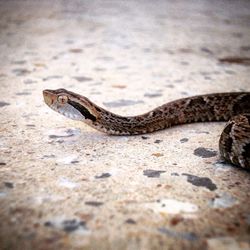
234, 107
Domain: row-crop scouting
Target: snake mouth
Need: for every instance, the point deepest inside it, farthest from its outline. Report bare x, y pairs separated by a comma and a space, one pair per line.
48, 97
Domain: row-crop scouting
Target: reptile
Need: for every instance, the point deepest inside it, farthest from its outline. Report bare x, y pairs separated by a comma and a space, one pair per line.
233, 107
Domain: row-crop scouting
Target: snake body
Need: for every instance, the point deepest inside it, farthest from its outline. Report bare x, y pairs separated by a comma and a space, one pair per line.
234, 107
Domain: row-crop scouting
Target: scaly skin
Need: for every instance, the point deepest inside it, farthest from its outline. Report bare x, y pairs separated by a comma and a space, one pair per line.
201, 108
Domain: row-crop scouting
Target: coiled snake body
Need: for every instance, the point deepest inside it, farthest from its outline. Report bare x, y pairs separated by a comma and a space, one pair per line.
234, 107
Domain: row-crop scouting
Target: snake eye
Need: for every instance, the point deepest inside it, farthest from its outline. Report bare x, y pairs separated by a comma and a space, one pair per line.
62, 99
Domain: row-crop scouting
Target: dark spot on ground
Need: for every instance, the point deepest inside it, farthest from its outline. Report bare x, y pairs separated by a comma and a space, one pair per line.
174, 174
58, 136
153, 173
23, 93
235, 60
8, 184
99, 69
103, 175
152, 95
130, 221
178, 81
21, 62
75, 50
82, 78
51, 77
94, 203
208, 51
169, 86
205, 152
2, 163
72, 225
122, 67
30, 125
2, 104
168, 51
21, 72
230, 72
185, 50
48, 224
179, 235
207, 78
245, 48
202, 132
237, 34
200, 181
29, 81
183, 140
184, 63
145, 137
49, 156
119, 86
158, 141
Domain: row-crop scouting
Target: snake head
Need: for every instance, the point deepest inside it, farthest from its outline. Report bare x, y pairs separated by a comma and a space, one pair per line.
70, 104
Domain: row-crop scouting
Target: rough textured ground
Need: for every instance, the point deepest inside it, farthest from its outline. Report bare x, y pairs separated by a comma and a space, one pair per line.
64, 185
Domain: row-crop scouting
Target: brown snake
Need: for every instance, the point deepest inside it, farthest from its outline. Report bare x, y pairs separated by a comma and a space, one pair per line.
234, 107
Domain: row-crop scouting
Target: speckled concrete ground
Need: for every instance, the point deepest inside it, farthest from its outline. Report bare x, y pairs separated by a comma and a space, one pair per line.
64, 185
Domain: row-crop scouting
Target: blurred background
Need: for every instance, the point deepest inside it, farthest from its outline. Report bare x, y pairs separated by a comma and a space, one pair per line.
155, 48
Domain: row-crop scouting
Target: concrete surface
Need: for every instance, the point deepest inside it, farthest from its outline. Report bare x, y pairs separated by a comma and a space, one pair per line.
64, 185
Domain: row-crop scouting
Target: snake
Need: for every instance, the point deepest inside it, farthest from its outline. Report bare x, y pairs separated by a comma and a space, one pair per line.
232, 107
